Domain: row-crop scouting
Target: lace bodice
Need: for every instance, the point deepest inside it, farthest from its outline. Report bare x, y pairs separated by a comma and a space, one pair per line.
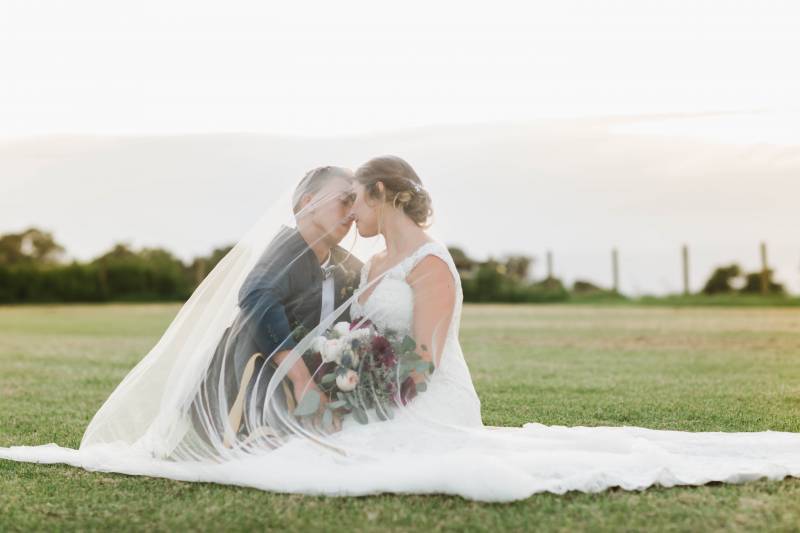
390, 304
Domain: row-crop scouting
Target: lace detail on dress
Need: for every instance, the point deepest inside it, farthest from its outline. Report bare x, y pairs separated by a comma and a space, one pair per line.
390, 303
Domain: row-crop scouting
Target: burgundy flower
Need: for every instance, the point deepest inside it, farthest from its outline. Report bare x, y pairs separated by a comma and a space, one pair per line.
383, 351
389, 360
408, 390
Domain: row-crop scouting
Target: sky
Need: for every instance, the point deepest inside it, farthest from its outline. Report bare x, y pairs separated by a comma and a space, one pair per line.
345, 67
641, 125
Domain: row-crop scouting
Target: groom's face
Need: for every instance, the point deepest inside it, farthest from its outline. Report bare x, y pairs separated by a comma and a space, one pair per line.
330, 210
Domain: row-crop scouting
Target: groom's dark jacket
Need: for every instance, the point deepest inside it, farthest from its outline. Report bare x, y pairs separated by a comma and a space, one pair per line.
282, 296
279, 302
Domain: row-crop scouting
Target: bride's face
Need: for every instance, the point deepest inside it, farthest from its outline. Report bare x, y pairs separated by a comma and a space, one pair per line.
365, 211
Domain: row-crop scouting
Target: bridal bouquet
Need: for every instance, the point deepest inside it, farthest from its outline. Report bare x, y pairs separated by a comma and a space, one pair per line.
363, 369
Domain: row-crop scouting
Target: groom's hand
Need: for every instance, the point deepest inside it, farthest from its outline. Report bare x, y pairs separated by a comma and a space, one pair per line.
301, 388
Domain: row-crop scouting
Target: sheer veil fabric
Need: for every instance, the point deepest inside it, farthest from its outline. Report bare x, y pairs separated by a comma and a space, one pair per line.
216, 398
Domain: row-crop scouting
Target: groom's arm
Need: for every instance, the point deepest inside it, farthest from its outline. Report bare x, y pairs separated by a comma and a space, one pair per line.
266, 313
271, 331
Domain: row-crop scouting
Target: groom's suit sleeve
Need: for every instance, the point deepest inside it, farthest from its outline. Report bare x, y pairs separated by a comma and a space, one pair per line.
262, 303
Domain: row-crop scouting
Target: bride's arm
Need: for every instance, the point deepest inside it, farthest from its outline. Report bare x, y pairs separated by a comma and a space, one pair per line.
434, 299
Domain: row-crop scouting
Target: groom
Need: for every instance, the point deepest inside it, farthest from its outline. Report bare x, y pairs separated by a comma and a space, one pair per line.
302, 276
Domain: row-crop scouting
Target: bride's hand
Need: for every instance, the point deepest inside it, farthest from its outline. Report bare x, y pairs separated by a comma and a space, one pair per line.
336, 420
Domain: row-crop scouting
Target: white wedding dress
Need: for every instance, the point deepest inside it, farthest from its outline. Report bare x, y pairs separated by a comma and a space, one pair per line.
439, 445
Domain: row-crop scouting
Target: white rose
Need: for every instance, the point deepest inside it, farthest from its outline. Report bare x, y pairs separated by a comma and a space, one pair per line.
317, 343
331, 350
347, 381
342, 328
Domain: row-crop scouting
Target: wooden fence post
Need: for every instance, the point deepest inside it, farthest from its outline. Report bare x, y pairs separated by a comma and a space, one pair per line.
686, 289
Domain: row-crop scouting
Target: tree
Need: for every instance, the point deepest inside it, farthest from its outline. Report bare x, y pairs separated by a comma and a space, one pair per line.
721, 282
32, 246
721, 278
518, 267
752, 284
149, 273
586, 287
203, 265
120, 252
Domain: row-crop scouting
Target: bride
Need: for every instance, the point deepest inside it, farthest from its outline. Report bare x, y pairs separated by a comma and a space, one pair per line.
386, 402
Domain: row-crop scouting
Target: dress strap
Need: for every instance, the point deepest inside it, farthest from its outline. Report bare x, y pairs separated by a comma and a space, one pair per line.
429, 248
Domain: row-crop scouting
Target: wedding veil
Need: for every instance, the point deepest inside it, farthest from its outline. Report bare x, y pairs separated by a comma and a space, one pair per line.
218, 386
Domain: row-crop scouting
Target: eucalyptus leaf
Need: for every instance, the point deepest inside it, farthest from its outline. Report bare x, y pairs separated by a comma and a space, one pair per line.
327, 379
337, 404
406, 367
309, 404
327, 419
360, 415
423, 367
408, 344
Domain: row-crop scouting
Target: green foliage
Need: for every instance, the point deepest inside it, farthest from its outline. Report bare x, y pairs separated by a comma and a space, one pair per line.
32, 246
202, 266
496, 282
152, 273
722, 281
309, 404
30, 272
752, 284
65, 283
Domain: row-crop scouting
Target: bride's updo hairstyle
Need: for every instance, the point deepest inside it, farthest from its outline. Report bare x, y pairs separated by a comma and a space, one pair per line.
402, 187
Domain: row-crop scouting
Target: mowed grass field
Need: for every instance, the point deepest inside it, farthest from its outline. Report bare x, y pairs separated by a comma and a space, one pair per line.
698, 369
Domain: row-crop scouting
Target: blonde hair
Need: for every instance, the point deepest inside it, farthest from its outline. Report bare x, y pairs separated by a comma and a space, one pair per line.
402, 187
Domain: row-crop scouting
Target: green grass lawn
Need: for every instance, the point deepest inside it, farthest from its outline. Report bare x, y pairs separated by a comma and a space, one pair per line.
699, 369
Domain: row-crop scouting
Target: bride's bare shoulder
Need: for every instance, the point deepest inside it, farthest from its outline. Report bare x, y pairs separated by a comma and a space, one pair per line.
432, 270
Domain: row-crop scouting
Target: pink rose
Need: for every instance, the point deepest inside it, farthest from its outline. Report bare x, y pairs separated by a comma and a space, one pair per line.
347, 381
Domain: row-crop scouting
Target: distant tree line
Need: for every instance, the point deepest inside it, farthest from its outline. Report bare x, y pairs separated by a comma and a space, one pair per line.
32, 269
509, 280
